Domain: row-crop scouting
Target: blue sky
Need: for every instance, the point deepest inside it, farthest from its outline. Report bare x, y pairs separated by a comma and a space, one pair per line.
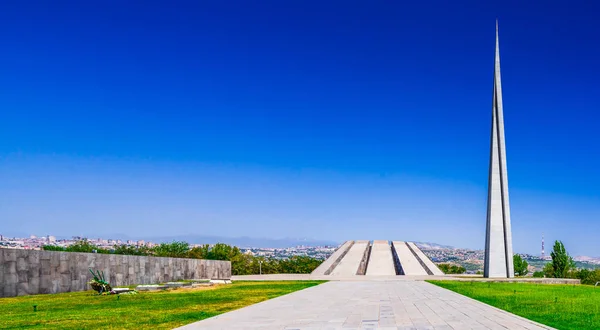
337, 120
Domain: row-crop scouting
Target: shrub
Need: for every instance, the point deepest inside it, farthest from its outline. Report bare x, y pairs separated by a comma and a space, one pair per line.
99, 283
53, 248
85, 246
586, 276
131, 250
452, 269
174, 249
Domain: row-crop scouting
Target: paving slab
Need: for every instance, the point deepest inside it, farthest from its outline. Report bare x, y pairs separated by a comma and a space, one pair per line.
369, 305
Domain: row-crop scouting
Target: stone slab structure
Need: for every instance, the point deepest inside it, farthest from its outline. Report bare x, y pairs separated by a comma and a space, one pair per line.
25, 272
498, 240
379, 258
325, 266
409, 263
428, 263
381, 261
351, 261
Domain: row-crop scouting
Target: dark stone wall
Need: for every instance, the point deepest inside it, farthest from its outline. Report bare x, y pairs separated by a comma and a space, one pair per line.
25, 272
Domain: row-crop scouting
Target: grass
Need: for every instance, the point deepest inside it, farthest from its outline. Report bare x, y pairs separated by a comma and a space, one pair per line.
559, 306
156, 310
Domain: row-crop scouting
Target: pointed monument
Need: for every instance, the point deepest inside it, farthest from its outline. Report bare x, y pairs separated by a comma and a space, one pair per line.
498, 240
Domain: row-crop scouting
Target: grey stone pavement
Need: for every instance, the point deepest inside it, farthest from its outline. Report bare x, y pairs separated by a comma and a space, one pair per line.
369, 305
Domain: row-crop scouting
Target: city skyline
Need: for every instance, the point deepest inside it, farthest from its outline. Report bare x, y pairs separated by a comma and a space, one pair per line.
334, 123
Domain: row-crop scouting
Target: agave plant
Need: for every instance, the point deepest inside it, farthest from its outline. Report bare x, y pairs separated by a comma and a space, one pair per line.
98, 283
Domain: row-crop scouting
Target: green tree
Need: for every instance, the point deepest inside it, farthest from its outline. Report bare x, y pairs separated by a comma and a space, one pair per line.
520, 265
85, 246
299, 265
451, 268
241, 264
221, 251
562, 262
538, 274
131, 250
53, 248
198, 252
586, 276
548, 270
174, 249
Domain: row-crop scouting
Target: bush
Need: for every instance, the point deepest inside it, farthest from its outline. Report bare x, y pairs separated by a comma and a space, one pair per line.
53, 248
85, 246
132, 250
586, 276
174, 250
538, 274
452, 269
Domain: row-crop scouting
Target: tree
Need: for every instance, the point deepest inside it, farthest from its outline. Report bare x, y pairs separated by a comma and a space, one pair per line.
221, 251
451, 269
520, 265
562, 262
548, 270
53, 248
85, 246
587, 276
173, 249
299, 265
198, 252
131, 250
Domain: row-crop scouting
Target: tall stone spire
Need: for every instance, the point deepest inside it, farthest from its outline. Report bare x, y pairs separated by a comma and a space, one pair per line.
498, 242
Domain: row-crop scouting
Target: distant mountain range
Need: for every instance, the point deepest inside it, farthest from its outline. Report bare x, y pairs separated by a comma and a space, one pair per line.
592, 260
244, 242
433, 246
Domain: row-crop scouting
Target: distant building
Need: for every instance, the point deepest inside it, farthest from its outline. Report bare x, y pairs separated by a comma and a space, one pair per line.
51, 239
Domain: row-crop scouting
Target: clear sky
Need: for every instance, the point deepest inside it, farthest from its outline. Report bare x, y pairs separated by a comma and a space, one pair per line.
319, 119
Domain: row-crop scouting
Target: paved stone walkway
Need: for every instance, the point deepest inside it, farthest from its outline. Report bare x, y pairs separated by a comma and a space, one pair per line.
369, 305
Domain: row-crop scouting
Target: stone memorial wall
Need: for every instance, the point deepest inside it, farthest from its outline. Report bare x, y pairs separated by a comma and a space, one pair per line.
25, 272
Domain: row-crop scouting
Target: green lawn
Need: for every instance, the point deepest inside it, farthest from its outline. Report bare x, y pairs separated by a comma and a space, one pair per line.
559, 306
155, 310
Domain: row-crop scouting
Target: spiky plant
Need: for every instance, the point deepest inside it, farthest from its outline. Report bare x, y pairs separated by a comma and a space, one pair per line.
98, 282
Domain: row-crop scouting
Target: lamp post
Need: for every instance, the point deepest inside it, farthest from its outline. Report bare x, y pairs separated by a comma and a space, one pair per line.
260, 267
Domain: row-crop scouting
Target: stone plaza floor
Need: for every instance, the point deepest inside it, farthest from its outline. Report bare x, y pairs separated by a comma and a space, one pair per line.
369, 305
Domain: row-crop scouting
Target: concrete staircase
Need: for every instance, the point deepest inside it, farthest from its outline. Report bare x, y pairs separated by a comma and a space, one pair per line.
377, 258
